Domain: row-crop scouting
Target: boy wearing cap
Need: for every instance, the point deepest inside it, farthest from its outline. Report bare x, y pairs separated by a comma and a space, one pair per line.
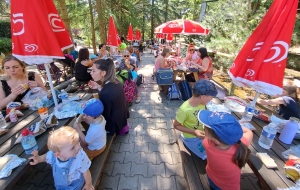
94, 142
186, 119
225, 144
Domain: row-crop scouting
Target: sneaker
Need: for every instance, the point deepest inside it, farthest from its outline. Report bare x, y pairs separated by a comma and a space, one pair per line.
138, 99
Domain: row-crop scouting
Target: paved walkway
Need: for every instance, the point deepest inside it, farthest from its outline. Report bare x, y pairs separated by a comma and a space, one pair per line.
146, 158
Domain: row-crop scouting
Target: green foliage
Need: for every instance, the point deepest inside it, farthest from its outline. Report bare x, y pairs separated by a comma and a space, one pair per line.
5, 29
5, 45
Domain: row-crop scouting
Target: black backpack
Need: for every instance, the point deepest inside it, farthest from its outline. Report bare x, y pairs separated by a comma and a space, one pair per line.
140, 80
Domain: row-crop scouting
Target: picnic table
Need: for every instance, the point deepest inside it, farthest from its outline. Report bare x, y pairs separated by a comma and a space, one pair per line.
8, 146
268, 178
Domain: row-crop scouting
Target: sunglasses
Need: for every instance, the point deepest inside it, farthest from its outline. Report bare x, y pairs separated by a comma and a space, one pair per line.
192, 49
126, 55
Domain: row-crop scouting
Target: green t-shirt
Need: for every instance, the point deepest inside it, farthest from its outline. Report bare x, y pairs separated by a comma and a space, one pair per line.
187, 116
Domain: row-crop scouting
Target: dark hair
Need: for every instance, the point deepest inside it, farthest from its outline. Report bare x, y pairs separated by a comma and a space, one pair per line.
101, 45
83, 54
203, 52
9, 58
291, 91
242, 153
108, 66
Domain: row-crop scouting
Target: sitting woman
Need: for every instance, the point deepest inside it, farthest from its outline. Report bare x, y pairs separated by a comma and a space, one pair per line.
192, 55
287, 104
204, 65
81, 67
103, 53
128, 63
18, 81
112, 96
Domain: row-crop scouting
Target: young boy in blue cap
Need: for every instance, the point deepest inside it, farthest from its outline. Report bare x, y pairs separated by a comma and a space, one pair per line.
94, 142
225, 144
186, 119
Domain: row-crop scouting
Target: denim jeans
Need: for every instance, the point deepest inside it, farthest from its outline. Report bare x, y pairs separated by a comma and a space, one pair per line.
212, 185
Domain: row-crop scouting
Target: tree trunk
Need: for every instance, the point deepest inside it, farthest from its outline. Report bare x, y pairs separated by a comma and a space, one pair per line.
93, 27
152, 19
100, 6
65, 17
166, 10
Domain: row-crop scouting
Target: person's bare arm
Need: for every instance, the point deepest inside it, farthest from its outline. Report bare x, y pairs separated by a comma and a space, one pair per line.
4, 100
83, 143
275, 101
247, 133
36, 158
88, 181
196, 132
204, 66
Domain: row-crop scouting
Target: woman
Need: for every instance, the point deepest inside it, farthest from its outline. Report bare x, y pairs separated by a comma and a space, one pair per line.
192, 55
128, 63
103, 53
14, 88
112, 96
205, 66
81, 67
287, 104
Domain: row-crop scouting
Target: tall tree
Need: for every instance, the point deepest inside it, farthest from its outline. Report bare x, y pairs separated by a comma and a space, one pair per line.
65, 17
93, 27
101, 10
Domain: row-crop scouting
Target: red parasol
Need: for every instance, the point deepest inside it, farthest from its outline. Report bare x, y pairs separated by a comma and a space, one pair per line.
138, 34
130, 33
181, 26
261, 62
38, 33
112, 37
170, 37
160, 36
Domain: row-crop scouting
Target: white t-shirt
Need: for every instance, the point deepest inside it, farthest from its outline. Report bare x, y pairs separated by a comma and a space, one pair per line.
96, 135
80, 164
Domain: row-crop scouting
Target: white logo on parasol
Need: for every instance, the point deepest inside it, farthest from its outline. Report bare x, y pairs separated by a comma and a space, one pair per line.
276, 46
19, 18
52, 19
12, 45
31, 47
173, 25
250, 73
232, 66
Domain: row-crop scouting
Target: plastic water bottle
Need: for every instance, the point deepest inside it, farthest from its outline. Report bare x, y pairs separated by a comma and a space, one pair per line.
248, 113
3, 123
64, 96
28, 142
289, 131
267, 136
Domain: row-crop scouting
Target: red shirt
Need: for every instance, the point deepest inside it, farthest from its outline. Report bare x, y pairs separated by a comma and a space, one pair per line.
221, 170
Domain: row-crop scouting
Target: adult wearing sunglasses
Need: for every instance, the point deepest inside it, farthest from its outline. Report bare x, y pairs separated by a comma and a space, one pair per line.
192, 55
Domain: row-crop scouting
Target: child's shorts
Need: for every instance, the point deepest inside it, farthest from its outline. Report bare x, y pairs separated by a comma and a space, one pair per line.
93, 153
195, 145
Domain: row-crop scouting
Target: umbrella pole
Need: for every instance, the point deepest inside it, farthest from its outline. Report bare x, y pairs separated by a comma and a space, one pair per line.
255, 98
50, 83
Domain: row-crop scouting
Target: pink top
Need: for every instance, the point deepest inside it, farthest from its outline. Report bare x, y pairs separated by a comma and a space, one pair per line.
221, 170
157, 65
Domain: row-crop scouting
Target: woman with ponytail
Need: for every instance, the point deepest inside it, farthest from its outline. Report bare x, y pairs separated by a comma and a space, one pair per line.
225, 144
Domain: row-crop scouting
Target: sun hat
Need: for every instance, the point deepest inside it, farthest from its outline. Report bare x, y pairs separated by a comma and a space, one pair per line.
226, 127
93, 107
93, 56
205, 87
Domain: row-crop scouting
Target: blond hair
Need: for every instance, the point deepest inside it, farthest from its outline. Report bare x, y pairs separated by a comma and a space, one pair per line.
130, 49
60, 137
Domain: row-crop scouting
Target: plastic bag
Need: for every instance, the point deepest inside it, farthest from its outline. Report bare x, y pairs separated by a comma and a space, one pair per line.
37, 98
14, 161
70, 109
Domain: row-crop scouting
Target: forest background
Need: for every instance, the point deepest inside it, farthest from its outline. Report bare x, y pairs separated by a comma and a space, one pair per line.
230, 22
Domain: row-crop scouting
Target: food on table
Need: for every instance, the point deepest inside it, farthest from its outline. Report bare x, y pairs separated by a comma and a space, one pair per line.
292, 169
13, 105
266, 160
13, 111
51, 121
235, 104
262, 116
217, 107
25, 85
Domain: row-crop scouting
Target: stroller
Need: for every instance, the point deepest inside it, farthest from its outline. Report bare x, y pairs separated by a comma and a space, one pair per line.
68, 66
55, 73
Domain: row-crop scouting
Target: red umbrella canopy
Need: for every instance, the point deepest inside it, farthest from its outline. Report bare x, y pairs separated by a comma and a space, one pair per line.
112, 37
138, 34
38, 33
181, 26
170, 37
130, 33
160, 36
261, 62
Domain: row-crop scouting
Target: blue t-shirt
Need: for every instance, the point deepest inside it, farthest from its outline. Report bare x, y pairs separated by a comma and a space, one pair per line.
291, 109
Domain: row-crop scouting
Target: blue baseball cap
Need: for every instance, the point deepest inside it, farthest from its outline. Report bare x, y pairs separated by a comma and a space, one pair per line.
205, 87
93, 107
93, 56
226, 127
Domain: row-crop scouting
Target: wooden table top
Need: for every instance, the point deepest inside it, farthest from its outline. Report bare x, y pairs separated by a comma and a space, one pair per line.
269, 178
8, 146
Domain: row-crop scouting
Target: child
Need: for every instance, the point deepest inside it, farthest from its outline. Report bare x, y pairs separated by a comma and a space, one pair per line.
186, 119
70, 164
225, 144
94, 142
